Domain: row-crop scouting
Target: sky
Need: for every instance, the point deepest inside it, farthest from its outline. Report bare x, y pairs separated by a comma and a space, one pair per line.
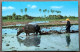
67, 8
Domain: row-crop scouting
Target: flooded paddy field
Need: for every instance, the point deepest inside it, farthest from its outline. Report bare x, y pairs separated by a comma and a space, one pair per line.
49, 42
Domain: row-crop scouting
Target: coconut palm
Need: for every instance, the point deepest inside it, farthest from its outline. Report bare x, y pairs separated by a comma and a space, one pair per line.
25, 10
52, 11
22, 11
58, 12
40, 11
44, 12
25, 13
48, 13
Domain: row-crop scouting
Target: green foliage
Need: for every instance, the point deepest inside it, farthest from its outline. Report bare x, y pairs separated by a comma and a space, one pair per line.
25, 10
40, 10
52, 11
21, 10
48, 11
13, 16
26, 17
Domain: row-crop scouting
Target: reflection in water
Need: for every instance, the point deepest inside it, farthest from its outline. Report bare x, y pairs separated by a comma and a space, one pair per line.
29, 40
68, 40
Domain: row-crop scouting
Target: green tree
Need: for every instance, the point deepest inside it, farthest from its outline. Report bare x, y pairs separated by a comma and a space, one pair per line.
44, 12
22, 11
25, 10
13, 15
52, 11
25, 13
58, 12
48, 13
40, 11
8, 17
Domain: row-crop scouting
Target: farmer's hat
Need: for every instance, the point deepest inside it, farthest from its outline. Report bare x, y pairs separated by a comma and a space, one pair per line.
68, 19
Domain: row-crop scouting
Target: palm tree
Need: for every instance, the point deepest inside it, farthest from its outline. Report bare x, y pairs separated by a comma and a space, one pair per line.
48, 13
22, 11
58, 12
44, 12
25, 10
25, 13
40, 11
52, 11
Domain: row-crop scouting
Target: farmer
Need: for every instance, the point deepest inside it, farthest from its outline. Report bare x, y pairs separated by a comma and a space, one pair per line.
68, 25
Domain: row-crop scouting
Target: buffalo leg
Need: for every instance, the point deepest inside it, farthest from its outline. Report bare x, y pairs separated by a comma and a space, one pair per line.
27, 34
37, 33
40, 32
17, 34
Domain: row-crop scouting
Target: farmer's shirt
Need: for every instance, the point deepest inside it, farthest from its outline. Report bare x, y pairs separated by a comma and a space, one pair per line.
68, 25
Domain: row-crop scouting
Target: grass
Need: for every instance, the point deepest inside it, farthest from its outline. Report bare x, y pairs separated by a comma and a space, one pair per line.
28, 20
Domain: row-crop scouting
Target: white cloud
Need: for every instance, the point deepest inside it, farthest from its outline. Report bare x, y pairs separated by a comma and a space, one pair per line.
6, 8
56, 7
10, 7
28, 5
32, 6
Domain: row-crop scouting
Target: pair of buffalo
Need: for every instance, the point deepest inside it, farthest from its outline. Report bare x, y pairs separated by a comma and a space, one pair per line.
29, 28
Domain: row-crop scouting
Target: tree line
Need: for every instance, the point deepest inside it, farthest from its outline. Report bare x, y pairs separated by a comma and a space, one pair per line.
25, 17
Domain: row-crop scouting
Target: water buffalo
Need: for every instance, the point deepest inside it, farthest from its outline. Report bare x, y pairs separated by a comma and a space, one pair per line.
29, 28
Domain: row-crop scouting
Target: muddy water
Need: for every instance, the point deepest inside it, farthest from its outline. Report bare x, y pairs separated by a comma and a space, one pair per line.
51, 42
37, 22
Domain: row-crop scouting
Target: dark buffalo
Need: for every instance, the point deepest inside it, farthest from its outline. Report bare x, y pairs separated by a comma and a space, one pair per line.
29, 28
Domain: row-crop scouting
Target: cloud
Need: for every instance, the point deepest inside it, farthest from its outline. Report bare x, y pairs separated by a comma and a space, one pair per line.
10, 7
56, 7
32, 6
6, 8
28, 5
3, 8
